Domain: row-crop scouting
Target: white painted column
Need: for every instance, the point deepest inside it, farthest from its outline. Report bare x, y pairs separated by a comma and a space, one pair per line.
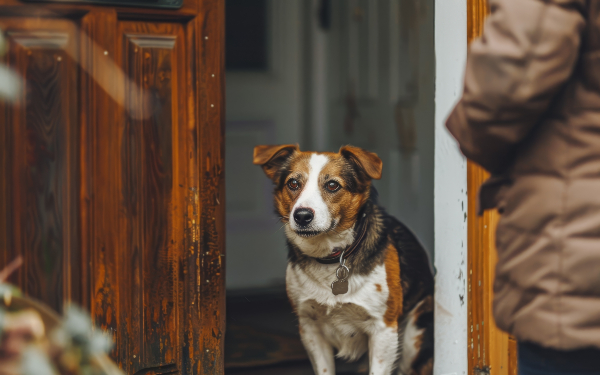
450, 194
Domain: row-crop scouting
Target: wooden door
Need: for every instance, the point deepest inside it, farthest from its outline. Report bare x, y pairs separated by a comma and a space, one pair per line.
112, 175
490, 350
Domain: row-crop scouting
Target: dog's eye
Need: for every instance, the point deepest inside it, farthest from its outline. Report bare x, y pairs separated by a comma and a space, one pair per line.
332, 186
293, 184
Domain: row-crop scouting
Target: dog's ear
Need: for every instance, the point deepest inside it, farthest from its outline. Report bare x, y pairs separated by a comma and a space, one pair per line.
365, 161
271, 158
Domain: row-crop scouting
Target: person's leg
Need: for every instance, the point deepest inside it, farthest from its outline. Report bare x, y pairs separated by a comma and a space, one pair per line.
537, 360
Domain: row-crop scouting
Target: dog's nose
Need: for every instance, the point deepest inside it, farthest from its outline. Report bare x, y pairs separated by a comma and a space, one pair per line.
303, 216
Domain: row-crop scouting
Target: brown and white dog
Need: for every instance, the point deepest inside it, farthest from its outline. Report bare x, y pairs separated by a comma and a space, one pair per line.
330, 210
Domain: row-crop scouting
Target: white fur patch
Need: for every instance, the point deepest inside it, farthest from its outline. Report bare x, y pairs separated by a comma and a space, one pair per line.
409, 346
314, 283
311, 196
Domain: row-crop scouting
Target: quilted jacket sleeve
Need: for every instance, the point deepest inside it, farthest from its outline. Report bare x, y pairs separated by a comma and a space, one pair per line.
526, 53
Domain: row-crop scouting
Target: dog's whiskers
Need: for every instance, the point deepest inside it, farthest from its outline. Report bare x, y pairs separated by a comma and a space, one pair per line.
284, 224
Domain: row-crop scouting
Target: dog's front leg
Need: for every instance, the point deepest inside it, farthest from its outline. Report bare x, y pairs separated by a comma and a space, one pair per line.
319, 350
383, 350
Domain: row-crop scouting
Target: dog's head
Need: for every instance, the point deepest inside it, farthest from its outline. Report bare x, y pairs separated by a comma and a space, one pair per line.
319, 195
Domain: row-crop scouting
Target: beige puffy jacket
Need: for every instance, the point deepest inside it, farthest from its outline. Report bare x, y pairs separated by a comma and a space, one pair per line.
530, 114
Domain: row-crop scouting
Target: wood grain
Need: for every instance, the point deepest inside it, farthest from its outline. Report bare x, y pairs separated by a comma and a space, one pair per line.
41, 163
490, 350
113, 173
4, 156
211, 157
100, 173
152, 216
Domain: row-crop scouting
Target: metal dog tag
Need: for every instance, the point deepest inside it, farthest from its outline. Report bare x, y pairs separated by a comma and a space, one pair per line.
340, 286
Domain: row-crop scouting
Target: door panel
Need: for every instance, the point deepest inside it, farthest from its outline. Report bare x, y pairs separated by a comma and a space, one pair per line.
102, 189
42, 167
152, 215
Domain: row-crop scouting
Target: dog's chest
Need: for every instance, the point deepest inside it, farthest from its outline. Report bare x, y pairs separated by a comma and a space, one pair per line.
345, 319
345, 326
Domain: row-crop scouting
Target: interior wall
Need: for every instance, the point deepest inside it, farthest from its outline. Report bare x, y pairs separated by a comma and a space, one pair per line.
381, 98
262, 108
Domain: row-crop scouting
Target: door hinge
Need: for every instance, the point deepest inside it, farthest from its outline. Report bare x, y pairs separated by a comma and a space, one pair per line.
482, 371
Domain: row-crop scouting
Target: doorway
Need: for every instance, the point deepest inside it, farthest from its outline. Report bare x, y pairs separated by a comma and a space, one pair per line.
320, 73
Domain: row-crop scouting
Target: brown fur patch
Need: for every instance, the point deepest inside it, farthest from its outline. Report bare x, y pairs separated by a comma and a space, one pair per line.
285, 198
418, 344
426, 306
368, 161
378, 287
344, 204
427, 367
394, 302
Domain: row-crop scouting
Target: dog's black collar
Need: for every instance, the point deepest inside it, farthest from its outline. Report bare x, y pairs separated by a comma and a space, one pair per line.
361, 230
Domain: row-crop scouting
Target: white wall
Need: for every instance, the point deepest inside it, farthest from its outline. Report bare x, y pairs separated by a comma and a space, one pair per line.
450, 194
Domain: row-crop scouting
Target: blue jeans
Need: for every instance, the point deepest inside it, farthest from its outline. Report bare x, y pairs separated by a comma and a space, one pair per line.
537, 360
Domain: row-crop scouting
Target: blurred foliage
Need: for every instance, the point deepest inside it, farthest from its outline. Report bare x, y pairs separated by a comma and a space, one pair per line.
31, 346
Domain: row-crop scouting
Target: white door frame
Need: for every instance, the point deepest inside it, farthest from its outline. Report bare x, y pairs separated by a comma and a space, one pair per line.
450, 194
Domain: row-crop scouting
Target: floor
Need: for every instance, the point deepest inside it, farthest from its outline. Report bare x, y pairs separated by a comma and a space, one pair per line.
270, 315
293, 369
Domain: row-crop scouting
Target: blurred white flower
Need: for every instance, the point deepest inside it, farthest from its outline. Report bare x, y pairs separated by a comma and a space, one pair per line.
36, 362
10, 81
100, 343
78, 325
10, 84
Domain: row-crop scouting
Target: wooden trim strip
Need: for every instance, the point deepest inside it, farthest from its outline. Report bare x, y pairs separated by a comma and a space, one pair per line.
490, 351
